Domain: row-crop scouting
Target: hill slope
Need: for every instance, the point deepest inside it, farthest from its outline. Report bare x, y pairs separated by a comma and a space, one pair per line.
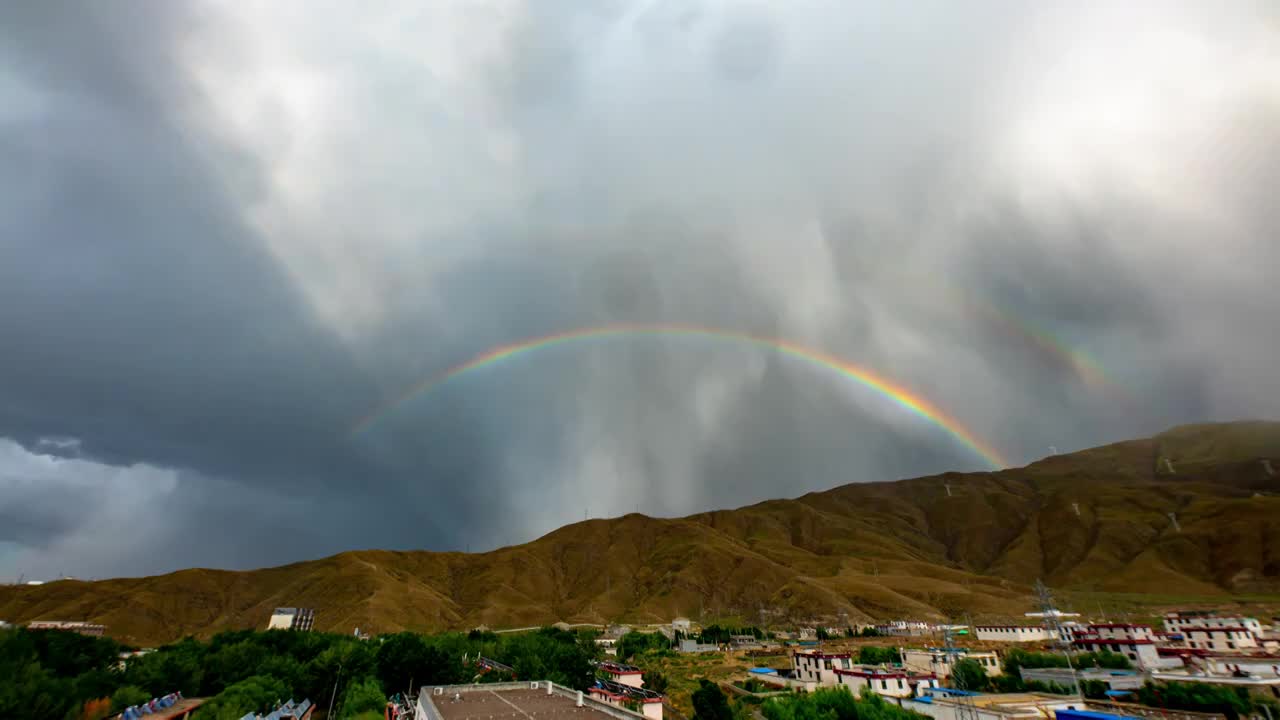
1093, 520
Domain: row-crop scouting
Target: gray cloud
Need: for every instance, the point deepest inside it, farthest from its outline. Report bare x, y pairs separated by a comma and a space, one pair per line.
221, 246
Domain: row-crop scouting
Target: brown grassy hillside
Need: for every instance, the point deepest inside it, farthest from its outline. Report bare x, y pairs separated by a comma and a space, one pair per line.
866, 550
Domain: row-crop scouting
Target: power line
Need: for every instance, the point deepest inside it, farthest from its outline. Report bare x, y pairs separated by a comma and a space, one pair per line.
1053, 623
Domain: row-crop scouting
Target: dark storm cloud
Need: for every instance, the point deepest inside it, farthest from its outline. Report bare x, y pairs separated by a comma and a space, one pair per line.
222, 245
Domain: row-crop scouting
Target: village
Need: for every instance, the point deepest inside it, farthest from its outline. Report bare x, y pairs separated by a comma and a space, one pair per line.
1063, 663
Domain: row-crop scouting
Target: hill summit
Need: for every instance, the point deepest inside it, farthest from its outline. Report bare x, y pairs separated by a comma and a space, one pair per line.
1194, 511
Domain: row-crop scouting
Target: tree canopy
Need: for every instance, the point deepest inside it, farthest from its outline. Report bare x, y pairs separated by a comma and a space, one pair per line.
835, 704
55, 674
710, 703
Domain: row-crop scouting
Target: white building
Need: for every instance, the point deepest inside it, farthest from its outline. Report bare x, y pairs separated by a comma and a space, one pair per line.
1141, 651
623, 674
633, 697
935, 661
1220, 639
288, 618
1264, 666
819, 667
905, 628
890, 682
1262, 685
1115, 679
1119, 631
79, 626
1011, 633
682, 624
1217, 633
1180, 622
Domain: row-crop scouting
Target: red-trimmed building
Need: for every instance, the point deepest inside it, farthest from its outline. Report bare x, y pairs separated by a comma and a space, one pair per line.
817, 666
623, 674
1120, 631
632, 697
890, 682
1219, 633
1141, 652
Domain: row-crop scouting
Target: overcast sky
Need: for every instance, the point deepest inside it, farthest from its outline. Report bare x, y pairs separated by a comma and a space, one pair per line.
228, 231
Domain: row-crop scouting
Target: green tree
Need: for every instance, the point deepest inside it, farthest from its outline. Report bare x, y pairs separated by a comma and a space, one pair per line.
1201, 697
174, 668
228, 664
128, 695
636, 643
968, 674
362, 696
549, 654
871, 655
655, 681
709, 702
823, 634
1103, 659
67, 654
406, 661
259, 694
1094, 689
834, 704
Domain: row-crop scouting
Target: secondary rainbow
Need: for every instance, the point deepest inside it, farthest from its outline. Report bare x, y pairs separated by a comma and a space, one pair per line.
897, 393
1085, 367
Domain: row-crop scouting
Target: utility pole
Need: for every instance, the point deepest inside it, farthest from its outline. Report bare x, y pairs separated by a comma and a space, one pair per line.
1053, 624
329, 712
964, 703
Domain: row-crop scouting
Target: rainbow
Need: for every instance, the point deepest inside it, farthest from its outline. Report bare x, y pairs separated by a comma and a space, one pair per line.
1084, 367
898, 394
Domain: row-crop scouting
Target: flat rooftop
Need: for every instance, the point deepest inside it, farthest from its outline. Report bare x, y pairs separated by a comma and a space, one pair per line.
512, 705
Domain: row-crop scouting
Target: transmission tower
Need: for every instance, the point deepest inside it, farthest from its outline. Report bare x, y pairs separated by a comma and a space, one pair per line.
1053, 624
964, 703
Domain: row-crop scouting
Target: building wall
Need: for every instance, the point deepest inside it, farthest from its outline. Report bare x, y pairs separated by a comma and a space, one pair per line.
1221, 639
1121, 631
819, 668
1175, 622
1011, 633
935, 662
1141, 653
896, 687
634, 679
84, 628
1261, 666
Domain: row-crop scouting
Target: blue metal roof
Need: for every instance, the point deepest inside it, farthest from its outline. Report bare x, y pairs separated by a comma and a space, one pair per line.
1090, 715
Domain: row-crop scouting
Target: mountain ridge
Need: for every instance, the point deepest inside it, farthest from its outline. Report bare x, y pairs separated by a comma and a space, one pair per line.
1096, 520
